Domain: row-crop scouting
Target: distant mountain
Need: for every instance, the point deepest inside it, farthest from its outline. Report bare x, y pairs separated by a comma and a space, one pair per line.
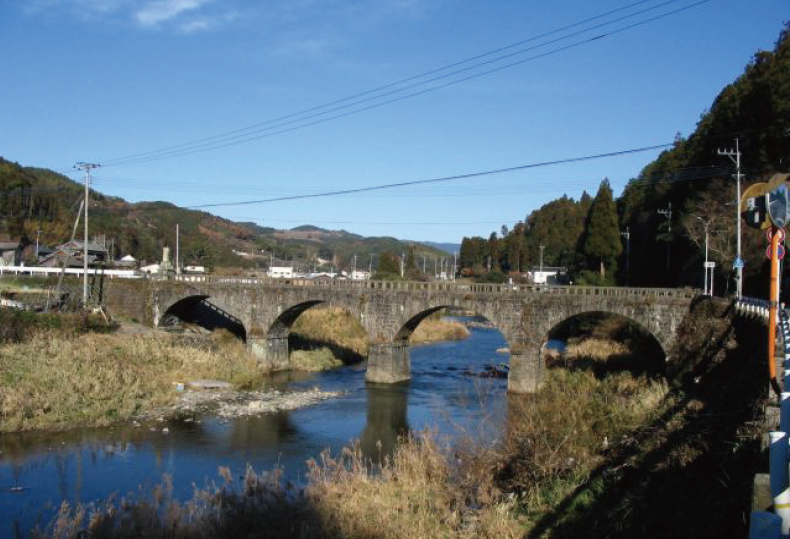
449, 248
309, 228
34, 199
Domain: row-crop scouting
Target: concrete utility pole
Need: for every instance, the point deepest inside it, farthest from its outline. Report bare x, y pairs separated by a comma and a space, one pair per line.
354, 271
542, 247
87, 168
370, 268
38, 233
402, 264
735, 156
705, 225
178, 264
455, 264
668, 214
627, 236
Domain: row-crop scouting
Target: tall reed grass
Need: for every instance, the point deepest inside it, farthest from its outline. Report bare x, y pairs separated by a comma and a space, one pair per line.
54, 380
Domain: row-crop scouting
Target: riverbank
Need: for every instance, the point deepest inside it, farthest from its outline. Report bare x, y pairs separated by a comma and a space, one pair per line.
56, 380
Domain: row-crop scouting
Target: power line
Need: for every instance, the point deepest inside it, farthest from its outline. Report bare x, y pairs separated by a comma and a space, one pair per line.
434, 180
378, 89
244, 135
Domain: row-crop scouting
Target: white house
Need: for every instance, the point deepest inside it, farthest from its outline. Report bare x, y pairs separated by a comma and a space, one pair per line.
152, 269
546, 275
281, 272
360, 275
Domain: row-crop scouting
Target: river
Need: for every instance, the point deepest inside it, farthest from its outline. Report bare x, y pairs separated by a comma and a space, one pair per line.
38, 471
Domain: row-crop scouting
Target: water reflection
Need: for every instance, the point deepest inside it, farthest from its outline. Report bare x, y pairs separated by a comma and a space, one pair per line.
86, 465
386, 420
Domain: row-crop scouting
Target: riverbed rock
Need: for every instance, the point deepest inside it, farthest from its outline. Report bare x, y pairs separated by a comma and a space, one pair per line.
209, 384
261, 403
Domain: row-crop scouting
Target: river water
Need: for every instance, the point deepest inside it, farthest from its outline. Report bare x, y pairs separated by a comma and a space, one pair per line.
38, 471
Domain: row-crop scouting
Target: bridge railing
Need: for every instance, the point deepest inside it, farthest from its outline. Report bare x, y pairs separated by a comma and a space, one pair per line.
473, 288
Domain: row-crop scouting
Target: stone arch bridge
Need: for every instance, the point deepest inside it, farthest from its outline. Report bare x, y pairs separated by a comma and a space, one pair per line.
390, 311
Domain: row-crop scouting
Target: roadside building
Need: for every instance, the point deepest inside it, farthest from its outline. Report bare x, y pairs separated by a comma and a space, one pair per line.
72, 254
549, 275
360, 275
281, 272
151, 269
10, 253
127, 262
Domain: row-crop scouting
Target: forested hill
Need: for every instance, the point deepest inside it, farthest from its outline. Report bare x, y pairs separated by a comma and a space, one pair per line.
34, 199
691, 180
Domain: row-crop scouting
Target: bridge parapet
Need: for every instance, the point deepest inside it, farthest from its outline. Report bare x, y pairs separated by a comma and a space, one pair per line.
685, 293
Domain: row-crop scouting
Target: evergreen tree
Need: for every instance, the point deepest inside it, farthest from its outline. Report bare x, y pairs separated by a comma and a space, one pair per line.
601, 241
388, 268
412, 272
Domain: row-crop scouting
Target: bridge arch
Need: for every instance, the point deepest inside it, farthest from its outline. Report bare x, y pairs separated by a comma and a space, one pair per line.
647, 354
648, 320
276, 335
390, 362
197, 309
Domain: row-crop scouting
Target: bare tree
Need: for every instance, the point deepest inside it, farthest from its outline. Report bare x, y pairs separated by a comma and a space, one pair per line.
712, 212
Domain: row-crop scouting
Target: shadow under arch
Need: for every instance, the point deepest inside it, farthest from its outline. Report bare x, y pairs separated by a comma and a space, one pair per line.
200, 311
644, 352
280, 330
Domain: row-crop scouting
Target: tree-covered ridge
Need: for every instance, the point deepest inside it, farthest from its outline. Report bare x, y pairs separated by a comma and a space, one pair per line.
665, 210
33, 199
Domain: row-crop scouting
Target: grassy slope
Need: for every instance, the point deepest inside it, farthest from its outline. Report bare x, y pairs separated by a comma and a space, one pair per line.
55, 380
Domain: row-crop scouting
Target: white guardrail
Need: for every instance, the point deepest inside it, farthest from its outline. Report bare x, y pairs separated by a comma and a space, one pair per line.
37, 270
776, 524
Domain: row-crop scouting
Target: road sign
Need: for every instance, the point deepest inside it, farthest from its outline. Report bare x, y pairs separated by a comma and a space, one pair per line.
752, 205
710, 265
737, 263
769, 234
777, 203
781, 252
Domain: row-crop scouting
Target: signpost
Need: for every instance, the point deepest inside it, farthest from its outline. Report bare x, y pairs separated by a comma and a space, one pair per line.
767, 206
709, 269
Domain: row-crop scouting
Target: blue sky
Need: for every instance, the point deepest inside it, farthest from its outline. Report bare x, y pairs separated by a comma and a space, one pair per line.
96, 80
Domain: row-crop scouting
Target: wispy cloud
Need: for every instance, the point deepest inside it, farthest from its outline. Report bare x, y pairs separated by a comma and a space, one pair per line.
155, 13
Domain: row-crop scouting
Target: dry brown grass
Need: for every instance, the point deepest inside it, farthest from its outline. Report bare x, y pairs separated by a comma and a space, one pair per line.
416, 493
339, 327
413, 495
317, 360
57, 381
433, 330
332, 325
557, 436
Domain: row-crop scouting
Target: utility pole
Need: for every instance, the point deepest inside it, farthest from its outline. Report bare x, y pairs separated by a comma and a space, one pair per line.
38, 232
402, 264
668, 214
370, 268
735, 156
542, 247
87, 167
354, 270
455, 264
423, 264
627, 236
178, 264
